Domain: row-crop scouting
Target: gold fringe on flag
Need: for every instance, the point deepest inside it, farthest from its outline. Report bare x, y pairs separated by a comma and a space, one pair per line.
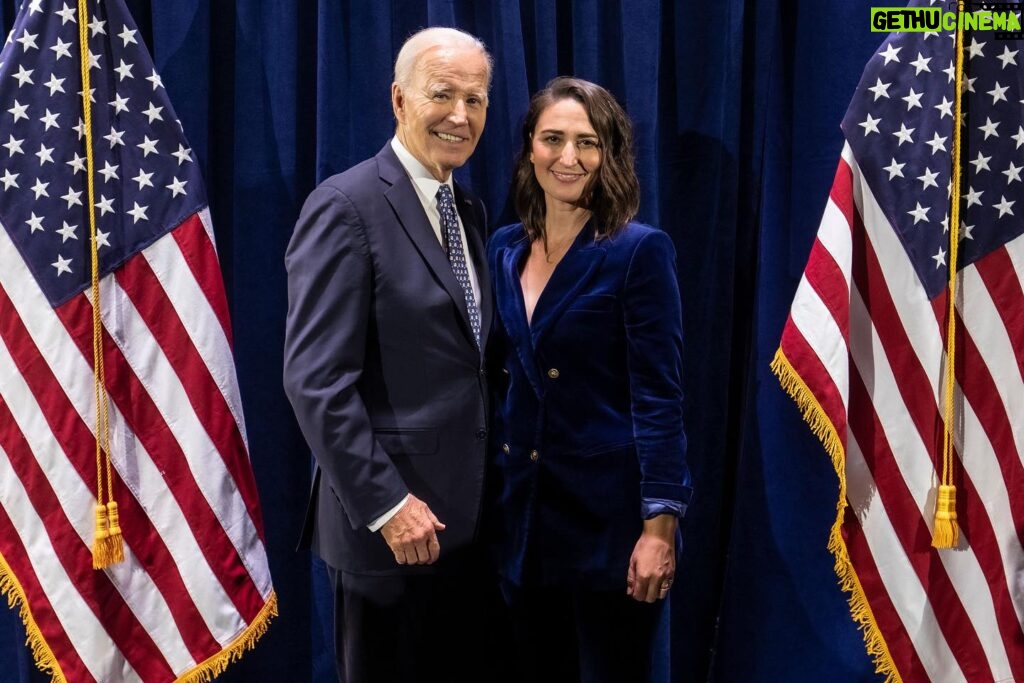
215, 665
43, 656
204, 672
814, 415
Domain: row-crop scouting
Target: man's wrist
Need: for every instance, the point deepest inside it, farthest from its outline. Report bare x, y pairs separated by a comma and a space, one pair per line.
376, 524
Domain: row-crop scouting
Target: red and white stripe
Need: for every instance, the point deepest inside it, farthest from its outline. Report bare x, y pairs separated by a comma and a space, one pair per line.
870, 347
195, 577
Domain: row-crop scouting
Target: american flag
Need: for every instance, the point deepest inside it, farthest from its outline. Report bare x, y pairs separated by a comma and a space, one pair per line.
863, 353
194, 590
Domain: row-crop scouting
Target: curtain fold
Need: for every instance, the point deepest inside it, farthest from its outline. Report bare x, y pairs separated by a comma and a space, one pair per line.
736, 105
782, 614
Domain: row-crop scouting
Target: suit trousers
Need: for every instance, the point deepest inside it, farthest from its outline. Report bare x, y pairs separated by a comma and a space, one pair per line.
570, 635
444, 627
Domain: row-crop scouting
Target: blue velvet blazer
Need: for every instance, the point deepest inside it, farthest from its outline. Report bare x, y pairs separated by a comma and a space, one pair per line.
588, 405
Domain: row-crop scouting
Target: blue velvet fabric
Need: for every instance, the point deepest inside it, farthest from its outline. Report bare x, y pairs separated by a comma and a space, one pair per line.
736, 105
589, 404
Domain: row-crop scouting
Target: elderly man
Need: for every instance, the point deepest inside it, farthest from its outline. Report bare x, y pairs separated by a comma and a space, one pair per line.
389, 307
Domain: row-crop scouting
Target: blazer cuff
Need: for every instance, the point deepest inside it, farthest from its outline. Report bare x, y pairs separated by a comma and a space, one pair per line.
652, 507
678, 493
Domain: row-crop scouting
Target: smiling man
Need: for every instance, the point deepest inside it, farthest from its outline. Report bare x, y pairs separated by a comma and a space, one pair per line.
389, 308
440, 99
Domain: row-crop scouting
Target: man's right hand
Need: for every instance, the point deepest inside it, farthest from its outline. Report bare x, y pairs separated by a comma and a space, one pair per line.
412, 533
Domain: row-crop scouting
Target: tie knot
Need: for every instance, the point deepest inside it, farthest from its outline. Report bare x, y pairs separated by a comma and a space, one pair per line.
444, 195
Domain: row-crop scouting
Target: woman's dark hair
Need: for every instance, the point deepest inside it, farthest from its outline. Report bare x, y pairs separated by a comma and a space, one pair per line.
613, 194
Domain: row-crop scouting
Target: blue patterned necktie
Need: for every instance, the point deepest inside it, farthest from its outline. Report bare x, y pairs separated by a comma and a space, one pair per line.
456, 256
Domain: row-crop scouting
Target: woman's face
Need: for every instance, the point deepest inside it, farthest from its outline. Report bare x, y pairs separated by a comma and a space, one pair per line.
565, 151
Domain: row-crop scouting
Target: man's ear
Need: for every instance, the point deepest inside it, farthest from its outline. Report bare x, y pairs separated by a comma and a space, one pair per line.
397, 102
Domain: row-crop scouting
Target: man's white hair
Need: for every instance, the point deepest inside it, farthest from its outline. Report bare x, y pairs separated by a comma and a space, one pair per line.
437, 36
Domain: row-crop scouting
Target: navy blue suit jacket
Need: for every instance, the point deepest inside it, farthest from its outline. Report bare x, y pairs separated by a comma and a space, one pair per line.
589, 405
380, 364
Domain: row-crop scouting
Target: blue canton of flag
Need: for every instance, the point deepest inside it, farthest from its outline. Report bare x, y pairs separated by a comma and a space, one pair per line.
146, 180
900, 127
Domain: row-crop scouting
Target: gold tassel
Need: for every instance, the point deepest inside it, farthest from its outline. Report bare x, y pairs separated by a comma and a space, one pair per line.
101, 535
946, 533
115, 541
113, 522
108, 545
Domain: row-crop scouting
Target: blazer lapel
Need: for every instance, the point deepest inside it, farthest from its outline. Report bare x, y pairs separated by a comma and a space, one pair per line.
509, 296
402, 197
571, 274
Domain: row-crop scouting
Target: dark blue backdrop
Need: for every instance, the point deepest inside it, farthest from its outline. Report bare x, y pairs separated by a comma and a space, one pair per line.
737, 106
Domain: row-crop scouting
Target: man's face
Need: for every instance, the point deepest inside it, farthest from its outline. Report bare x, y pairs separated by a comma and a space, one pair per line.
441, 113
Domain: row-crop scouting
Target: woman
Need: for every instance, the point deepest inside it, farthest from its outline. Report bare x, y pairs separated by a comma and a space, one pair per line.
591, 474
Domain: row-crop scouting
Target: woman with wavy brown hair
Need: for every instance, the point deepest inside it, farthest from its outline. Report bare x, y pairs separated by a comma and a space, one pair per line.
590, 454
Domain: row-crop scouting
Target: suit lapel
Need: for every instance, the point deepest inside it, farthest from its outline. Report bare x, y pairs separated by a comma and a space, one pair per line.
509, 296
402, 197
571, 275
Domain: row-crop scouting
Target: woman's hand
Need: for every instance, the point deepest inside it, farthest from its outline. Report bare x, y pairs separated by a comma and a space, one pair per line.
652, 567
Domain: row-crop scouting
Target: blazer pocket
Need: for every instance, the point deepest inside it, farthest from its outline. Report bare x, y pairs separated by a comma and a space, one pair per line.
593, 303
418, 441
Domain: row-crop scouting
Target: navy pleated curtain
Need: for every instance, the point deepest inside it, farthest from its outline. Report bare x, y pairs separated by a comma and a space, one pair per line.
737, 106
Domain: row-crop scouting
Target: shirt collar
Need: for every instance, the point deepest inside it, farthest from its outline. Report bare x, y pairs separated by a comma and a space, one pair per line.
418, 173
